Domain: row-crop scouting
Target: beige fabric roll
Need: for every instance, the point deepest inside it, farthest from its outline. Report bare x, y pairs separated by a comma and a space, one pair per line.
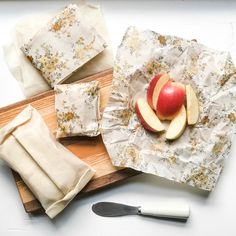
53, 173
29, 78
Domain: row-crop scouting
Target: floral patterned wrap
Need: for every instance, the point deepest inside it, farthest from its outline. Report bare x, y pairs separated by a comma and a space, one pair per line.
197, 157
65, 44
77, 109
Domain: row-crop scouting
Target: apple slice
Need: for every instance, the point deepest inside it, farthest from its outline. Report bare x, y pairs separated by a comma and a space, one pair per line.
155, 87
147, 116
151, 88
192, 106
177, 125
170, 100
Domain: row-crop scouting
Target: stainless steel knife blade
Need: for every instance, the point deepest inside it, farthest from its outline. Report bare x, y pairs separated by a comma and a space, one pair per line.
175, 210
111, 209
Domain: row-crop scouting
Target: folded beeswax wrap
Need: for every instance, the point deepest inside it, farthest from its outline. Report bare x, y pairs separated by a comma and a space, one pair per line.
197, 157
52, 172
77, 109
28, 76
65, 44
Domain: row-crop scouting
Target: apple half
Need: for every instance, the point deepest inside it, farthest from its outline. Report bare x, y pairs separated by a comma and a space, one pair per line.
192, 105
177, 125
147, 116
170, 100
154, 89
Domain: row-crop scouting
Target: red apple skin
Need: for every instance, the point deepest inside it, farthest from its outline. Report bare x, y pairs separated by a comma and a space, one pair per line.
170, 100
165, 117
146, 114
142, 121
151, 88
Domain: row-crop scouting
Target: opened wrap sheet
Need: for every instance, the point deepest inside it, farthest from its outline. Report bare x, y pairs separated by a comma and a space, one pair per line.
53, 173
27, 75
197, 157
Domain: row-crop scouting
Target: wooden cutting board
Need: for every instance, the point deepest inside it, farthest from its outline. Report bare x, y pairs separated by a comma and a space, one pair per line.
90, 150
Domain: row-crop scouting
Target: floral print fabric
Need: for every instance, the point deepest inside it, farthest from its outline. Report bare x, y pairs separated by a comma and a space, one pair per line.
65, 44
197, 157
77, 109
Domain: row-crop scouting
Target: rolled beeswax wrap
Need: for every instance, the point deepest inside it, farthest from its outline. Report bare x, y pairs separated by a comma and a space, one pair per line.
77, 109
197, 157
52, 172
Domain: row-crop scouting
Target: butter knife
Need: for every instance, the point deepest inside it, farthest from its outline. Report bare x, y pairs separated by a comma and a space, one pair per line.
177, 211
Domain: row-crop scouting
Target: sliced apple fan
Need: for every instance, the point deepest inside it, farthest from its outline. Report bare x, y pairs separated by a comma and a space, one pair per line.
197, 156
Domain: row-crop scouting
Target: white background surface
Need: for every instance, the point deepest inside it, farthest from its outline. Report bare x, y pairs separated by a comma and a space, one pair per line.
213, 214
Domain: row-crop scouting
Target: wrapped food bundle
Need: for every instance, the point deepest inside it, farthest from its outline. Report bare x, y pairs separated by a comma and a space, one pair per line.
53, 173
65, 44
77, 109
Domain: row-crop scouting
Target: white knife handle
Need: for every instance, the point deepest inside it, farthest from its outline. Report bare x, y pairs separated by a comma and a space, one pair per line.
179, 211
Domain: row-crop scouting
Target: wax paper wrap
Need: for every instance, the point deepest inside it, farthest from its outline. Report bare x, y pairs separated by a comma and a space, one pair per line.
65, 44
197, 157
77, 109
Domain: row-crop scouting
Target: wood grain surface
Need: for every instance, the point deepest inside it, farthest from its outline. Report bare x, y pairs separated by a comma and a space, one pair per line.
90, 150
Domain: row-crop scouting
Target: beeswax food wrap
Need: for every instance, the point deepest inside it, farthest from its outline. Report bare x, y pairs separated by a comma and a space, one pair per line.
65, 44
52, 172
77, 109
29, 78
197, 157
